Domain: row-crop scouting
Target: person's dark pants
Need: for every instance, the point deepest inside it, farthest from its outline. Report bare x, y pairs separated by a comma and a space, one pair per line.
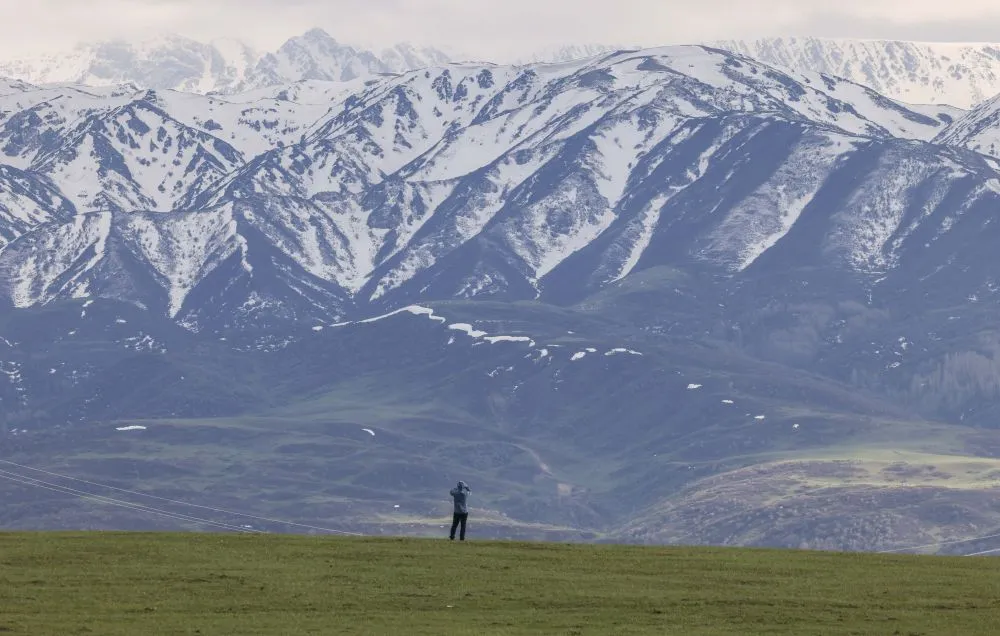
460, 517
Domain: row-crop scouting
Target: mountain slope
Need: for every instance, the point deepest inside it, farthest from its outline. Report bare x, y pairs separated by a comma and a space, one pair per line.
977, 130
135, 157
961, 75
486, 152
475, 181
143, 150
36, 120
27, 202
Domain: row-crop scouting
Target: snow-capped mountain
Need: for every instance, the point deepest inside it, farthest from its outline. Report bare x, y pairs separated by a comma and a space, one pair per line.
221, 66
978, 129
473, 181
317, 56
125, 151
960, 75
169, 62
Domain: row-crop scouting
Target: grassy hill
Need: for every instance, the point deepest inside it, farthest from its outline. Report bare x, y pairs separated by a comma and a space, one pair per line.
119, 583
651, 413
365, 427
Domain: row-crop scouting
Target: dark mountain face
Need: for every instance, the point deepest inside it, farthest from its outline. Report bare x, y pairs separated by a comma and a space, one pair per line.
668, 295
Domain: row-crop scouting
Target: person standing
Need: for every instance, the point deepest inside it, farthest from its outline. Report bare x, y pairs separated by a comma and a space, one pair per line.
460, 494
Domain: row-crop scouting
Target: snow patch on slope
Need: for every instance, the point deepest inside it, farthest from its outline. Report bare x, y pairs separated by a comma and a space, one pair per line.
181, 248
42, 274
763, 218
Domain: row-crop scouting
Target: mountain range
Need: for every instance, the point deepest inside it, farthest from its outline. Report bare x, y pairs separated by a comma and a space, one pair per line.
229, 66
960, 75
226, 66
459, 181
675, 294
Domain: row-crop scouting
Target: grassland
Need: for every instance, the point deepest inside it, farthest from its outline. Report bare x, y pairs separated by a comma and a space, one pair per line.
120, 583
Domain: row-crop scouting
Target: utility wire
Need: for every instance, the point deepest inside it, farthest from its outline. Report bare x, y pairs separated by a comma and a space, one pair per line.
28, 481
181, 503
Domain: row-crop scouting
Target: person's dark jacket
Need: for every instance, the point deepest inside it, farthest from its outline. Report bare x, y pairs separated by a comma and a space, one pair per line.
460, 494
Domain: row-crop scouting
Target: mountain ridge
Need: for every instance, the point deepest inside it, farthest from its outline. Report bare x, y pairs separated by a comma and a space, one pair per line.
659, 295
225, 66
392, 180
959, 74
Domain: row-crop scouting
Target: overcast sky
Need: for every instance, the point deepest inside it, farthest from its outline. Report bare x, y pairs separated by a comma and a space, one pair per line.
494, 29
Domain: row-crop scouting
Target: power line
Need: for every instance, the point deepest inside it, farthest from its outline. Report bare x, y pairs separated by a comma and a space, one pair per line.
181, 503
940, 543
984, 552
29, 481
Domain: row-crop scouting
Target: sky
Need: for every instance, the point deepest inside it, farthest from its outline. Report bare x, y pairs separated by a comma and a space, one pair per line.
490, 29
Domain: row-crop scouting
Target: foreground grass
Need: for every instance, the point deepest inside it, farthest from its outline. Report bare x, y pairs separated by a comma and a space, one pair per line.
119, 583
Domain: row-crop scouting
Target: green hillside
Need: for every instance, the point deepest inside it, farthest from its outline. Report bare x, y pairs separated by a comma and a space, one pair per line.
120, 583
629, 418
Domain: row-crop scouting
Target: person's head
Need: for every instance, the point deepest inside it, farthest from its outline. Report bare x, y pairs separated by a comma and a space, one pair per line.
462, 485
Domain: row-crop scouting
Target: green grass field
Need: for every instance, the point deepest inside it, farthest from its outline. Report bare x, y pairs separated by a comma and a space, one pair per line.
119, 583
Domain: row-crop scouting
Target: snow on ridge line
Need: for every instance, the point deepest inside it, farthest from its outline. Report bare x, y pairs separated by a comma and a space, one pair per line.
468, 329
416, 310
496, 339
580, 355
475, 333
